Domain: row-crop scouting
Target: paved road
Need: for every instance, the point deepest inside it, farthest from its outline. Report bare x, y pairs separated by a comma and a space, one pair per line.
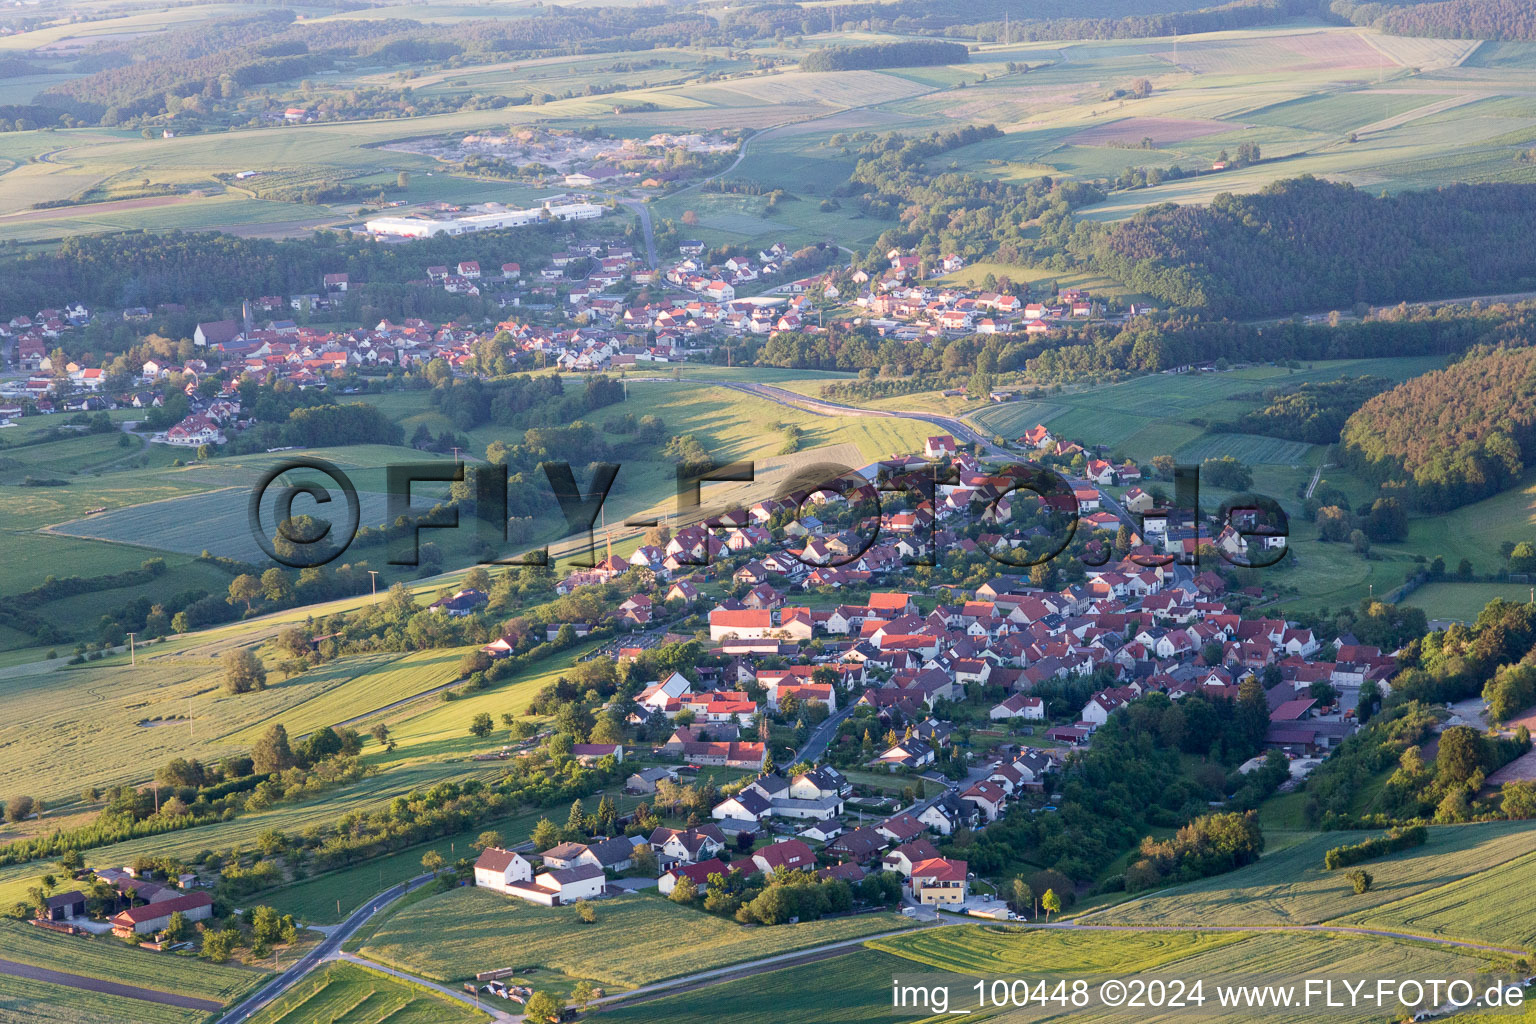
111, 988
644, 213
326, 950
823, 733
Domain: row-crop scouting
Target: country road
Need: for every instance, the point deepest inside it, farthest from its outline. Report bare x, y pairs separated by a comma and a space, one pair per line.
326, 950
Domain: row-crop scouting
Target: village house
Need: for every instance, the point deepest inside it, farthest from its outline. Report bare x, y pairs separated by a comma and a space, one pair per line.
499, 869
937, 882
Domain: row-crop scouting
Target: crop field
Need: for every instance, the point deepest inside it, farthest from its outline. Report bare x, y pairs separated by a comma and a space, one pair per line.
356, 995
980, 949
861, 995
633, 941
113, 960
733, 425
1476, 908
42, 1002
1159, 129
58, 714
376, 682
863, 989
1249, 448
1339, 113
1290, 886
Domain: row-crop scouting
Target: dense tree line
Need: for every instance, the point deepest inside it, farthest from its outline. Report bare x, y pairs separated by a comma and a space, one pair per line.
1310, 412
1452, 436
1452, 19
1212, 844
1222, 18
907, 54
1305, 244
1151, 344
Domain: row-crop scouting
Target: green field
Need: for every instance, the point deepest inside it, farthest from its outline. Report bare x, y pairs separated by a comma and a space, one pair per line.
42, 1002
1477, 908
1151, 415
862, 992
1463, 601
1290, 887
357, 995
105, 957
635, 939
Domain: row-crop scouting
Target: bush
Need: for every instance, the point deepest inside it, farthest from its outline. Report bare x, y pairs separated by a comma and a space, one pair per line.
1395, 840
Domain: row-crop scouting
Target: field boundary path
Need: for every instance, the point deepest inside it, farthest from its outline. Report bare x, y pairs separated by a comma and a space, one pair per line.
111, 988
460, 996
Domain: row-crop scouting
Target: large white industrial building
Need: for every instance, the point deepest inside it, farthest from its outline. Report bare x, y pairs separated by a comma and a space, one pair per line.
488, 217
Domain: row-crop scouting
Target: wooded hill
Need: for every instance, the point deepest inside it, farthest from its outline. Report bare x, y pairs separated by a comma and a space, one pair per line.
1305, 244
1451, 19
1453, 436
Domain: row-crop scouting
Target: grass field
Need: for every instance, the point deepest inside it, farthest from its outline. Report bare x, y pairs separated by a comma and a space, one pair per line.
633, 942
1291, 887
346, 992
957, 955
1463, 601
41, 1002
1150, 415
1476, 908
105, 957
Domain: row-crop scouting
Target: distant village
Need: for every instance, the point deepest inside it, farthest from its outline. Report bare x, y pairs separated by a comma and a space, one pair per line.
576, 325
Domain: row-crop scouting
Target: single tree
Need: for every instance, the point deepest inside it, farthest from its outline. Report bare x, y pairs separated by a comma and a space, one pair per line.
481, 725
271, 753
1051, 902
432, 861
244, 589
543, 1008
243, 671
586, 912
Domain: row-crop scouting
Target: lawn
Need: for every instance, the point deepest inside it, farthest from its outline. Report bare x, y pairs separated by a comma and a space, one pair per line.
634, 941
1290, 887
358, 995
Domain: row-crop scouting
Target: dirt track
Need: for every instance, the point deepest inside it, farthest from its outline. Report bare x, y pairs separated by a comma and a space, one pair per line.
111, 988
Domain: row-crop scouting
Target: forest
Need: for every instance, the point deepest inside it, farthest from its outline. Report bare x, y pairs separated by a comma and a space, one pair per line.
1311, 412
1451, 19
135, 269
1306, 244
1450, 437
1222, 18
884, 55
